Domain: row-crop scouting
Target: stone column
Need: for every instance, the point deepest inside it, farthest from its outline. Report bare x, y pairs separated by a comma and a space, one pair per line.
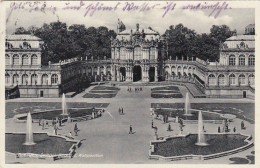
246, 80
29, 79
11, 80
156, 74
98, 71
113, 69
118, 74
237, 60
131, 74
156, 53
246, 59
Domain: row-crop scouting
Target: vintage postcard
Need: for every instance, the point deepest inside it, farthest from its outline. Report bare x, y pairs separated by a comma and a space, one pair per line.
129, 82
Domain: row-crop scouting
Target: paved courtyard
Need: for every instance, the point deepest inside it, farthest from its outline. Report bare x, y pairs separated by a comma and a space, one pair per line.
106, 139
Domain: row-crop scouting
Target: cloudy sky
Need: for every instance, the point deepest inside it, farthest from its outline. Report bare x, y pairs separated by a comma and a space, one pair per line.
198, 20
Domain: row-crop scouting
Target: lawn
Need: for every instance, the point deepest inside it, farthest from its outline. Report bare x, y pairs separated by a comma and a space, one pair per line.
166, 92
14, 108
186, 145
245, 111
44, 144
102, 92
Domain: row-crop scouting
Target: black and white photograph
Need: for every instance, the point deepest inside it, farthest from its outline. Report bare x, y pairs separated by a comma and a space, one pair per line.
129, 82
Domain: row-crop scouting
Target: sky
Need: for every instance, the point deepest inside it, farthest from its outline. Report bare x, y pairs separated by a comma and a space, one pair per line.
197, 20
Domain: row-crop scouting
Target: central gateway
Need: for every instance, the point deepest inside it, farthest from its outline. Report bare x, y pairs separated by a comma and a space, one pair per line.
137, 76
137, 54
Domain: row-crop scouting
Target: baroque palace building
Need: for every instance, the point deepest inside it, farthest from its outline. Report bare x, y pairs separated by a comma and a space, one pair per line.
136, 55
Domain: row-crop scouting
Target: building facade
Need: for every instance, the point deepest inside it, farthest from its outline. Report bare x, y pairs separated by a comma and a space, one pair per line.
136, 55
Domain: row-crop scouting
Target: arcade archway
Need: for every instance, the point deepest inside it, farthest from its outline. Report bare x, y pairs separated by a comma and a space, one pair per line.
122, 74
151, 74
137, 73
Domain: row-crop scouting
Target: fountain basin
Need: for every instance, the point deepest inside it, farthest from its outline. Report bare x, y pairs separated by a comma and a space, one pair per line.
52, 114
46, 146
184, 147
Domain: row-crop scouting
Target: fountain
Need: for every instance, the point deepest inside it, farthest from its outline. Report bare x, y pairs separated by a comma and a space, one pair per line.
187, 106
64, 106
201, 136
29, 132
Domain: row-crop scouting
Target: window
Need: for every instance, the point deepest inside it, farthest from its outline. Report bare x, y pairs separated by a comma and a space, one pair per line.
242, 79
25, 60
15, 79
251, 79
34, 79
54, 79
251, 60
232, 79
137, 53
232, 60
242, 60
122, 53
7, 78
173, 68
212, 79
179, 69
25, 79
152, 53
221, 80
34, 60
15, 59
7, 59
44, 79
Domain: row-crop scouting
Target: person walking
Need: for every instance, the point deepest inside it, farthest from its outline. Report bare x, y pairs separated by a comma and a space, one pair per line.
234, 129
122, 110
169, 127
242, 125
56, 129
43, 125
218, 129
130, 130
76, 129
152, 123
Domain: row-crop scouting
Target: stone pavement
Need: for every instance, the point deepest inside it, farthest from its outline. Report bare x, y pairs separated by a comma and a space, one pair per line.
106, 139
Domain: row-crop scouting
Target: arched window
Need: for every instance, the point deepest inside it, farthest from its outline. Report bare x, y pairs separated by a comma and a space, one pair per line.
251, 79
242, 79
34, 78
34, 59
102, 69
212, 79
122, 53
7, 59
7, 78
221, 80
232, 79
25, 79
173, 68
166, 68
152, 53
251, 60
242, 60
16, 59
137, 53
185, 69
54, 79
44, 79
15, 79
95, 70
25, 60
232, 60
179, 69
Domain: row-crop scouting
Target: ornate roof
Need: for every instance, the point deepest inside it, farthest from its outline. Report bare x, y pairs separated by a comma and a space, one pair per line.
22, 37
